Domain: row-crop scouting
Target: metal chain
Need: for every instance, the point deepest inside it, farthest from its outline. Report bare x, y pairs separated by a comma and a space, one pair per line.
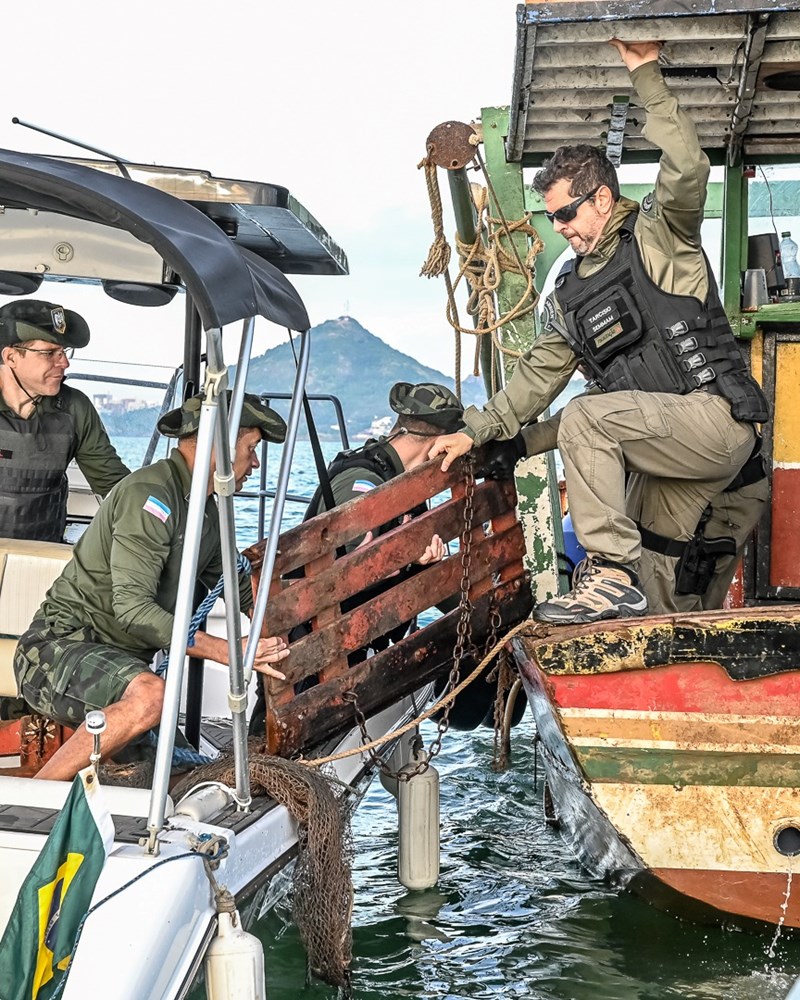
462, 646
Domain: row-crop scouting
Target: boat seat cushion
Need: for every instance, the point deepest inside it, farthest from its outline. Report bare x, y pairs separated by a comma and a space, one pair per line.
27, 570
8, 682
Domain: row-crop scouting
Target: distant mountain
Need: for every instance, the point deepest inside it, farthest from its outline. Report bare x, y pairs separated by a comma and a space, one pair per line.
347, 361
353, 364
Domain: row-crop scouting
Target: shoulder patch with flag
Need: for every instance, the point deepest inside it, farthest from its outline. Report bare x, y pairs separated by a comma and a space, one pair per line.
363, 486
39, 940
156, 507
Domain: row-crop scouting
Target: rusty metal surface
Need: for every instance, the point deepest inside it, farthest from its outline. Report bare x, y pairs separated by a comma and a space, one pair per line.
449, 145
718, 58
735, 639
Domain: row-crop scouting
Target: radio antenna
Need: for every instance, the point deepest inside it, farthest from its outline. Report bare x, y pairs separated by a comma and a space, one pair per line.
119, 160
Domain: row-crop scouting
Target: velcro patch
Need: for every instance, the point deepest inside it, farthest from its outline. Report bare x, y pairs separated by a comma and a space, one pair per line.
158, 509
363, 486
548, 313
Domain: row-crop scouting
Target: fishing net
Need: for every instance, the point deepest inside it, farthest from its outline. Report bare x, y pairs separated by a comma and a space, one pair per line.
322, 887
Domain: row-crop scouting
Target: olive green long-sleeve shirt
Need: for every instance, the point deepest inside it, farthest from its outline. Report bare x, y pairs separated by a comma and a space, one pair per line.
667, 233
122, 580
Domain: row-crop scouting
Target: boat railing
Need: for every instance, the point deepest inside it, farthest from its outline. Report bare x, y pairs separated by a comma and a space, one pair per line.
317, 590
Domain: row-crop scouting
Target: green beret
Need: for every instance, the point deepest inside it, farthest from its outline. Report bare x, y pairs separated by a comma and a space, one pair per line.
185, 420
32, 319
435, 404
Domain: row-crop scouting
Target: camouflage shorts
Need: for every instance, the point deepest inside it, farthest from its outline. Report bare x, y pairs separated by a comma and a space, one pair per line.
64, 675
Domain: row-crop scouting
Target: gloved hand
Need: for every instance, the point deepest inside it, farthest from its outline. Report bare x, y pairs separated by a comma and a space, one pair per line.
500, 457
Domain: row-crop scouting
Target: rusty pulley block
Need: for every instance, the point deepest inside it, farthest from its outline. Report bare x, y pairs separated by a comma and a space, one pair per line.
452, 145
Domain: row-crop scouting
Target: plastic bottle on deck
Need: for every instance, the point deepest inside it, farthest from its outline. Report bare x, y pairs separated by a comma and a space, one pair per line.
791, 268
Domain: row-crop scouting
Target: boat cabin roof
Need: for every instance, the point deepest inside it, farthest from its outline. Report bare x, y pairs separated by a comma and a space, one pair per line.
264, 218
135, 228
734, 64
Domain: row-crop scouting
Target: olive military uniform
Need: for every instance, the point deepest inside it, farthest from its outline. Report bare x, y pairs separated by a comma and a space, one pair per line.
37, 450
112, 607
689, 446
734, 513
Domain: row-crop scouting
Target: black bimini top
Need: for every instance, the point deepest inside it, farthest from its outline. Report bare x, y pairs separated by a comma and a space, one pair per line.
227, 283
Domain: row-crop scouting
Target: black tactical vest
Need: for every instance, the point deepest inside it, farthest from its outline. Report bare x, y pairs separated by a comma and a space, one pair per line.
34, 455
631, 334
371, 455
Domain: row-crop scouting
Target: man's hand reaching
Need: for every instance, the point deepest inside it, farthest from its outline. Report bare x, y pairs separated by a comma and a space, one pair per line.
433, 553
636, 54
453, 445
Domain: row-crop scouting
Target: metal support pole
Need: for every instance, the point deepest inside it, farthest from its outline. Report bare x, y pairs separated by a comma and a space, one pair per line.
281, 489
243, 364
225, 487
191, 351
183, 614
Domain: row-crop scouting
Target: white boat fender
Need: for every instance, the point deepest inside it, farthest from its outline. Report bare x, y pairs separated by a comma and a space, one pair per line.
418, 823
234, 963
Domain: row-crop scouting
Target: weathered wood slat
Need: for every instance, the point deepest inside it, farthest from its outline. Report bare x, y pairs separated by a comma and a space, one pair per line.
322, 711
370, 510
386, 611
306, 597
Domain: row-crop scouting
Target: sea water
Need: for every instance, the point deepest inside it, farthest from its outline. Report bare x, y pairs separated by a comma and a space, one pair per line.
513, 914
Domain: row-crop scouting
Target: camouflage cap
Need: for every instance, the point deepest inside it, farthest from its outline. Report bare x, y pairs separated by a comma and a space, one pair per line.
185, 420
435, 404
32, 319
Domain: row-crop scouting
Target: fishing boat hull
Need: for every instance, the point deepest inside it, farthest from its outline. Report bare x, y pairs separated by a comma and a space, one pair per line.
672, 754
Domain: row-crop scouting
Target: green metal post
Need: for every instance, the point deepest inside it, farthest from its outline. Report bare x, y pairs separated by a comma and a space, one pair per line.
734, 249
537, 488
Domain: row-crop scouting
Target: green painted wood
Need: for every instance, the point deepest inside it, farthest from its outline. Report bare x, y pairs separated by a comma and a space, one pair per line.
536, 479
629, 765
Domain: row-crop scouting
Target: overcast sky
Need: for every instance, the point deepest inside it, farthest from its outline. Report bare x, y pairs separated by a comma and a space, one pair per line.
333, 100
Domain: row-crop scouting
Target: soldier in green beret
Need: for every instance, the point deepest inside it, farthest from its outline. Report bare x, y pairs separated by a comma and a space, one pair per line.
44, 423
91, 644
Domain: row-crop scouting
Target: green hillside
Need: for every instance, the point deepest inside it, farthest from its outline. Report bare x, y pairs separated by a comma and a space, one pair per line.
346, 361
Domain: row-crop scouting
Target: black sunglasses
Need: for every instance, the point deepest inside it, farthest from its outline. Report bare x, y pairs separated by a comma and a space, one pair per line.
568, 212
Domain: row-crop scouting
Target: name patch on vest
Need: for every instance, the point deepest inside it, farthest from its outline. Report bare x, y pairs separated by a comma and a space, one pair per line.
603, 325
158, 509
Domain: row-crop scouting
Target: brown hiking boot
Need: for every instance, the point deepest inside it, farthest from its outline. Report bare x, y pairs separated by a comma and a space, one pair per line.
600, 589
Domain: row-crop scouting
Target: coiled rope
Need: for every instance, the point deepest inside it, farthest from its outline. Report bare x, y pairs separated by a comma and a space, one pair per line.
444, 700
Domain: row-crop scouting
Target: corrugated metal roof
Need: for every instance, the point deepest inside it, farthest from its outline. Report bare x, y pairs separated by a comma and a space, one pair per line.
720, 57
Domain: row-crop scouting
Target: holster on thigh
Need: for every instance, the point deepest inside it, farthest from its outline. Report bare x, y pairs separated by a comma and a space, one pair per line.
697, 558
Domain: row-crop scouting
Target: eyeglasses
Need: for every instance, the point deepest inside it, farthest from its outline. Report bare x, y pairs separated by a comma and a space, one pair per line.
56, 354
568, 212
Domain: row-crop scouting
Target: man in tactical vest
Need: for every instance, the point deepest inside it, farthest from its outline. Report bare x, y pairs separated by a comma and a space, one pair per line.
638, 308
44, 423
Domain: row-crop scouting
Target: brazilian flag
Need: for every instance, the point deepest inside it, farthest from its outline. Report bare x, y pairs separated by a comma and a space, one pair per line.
39, 939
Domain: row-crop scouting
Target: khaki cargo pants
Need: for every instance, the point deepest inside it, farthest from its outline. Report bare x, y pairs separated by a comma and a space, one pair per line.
689, 448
